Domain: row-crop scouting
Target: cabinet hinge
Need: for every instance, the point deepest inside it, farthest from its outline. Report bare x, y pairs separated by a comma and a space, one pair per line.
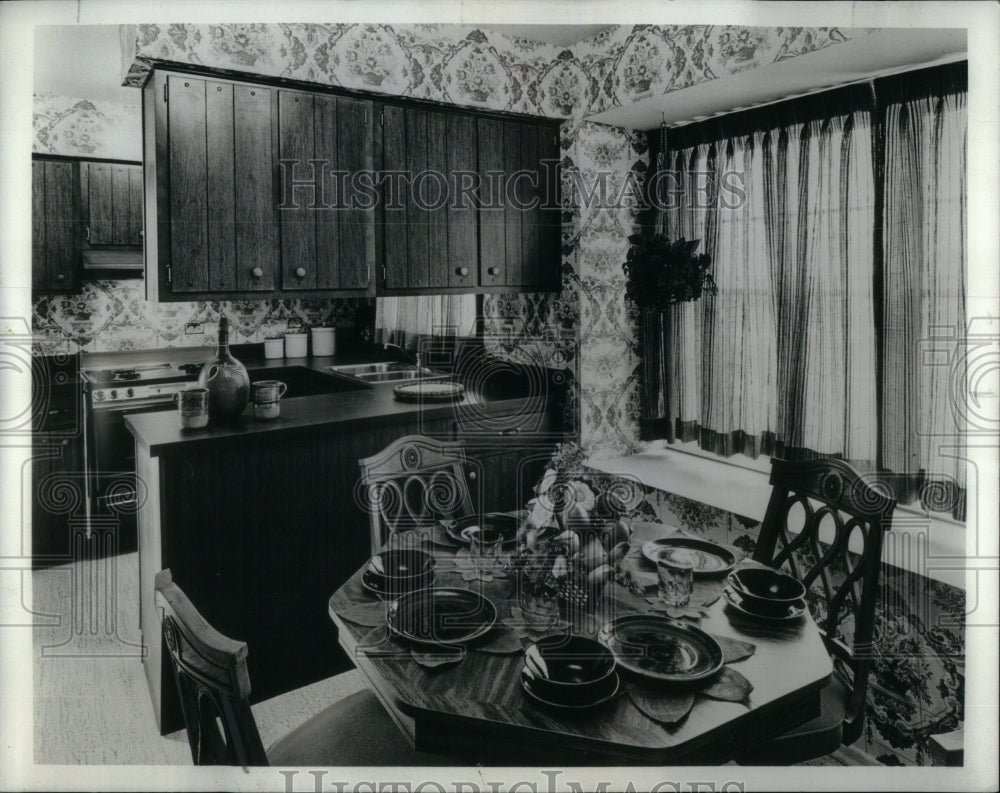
170, 274
165, 86
381, 118
385, 277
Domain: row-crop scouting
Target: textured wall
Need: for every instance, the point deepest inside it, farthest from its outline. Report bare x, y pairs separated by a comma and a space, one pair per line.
82, 128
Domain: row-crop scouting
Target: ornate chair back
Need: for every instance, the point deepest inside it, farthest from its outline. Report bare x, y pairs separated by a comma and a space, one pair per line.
836, 554
212, 682
413, 482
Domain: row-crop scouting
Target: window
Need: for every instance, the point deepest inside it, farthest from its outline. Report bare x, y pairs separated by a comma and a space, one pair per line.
835, 225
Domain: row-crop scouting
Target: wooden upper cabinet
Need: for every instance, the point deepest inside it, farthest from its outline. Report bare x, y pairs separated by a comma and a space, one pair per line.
112, 203
327, 207
211, 191
520, 223
55, 225
429, 199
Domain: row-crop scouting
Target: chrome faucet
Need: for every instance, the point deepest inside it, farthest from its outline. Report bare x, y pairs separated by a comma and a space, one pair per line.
416, 358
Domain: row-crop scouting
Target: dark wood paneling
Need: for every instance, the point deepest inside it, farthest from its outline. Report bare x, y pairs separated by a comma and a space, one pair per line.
220, 185
513, 215
461, 136
298, 234
529, 194
39, 261
119, 204
101, 203
417, 219
258, 562
188, 185
62, 204
550, 218
492, 233
328, 221
133, 233
431, 189
357, 225
395, 226
256, 227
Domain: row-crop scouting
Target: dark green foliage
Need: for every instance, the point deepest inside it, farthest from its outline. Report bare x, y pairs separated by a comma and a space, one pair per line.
660, 272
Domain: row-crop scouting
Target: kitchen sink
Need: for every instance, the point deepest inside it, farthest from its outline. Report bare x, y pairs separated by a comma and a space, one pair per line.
386, 372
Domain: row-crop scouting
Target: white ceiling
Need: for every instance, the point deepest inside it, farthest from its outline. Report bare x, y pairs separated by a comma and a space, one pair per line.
883, 52
81, 61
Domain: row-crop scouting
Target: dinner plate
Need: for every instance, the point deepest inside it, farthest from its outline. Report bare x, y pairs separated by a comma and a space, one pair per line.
441, 616
708, 558
461, 529
385, 587
734, 600
605, 694
661, 649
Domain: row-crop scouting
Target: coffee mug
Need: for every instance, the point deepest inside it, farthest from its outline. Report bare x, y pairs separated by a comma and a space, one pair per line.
265, 395
192, 407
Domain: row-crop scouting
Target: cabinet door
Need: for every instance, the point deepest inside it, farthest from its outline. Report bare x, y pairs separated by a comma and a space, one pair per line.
56, 467
300, 193
221, 186
430, 213
55, 225
519, 218
187, 216
113, 193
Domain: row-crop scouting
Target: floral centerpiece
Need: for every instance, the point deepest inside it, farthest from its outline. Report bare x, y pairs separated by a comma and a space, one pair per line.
575, 535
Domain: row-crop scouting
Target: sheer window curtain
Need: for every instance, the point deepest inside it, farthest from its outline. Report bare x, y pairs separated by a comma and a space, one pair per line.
405, 320
782, 360
924, 284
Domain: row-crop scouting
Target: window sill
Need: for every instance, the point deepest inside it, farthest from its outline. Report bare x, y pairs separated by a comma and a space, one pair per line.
924, 544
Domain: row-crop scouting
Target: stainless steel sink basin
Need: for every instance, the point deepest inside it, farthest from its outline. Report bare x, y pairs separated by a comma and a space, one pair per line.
386, 372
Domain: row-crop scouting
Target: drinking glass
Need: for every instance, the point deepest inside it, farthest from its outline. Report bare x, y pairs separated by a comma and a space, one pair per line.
676, 575
486, 547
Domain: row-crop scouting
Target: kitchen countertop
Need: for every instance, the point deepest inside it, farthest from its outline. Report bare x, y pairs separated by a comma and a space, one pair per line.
371, 405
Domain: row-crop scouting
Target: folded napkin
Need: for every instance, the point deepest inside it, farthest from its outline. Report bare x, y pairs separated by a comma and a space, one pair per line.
369, 615
465, 564
380, 643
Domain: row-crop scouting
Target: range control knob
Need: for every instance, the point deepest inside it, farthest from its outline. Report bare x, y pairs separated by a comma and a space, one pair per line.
114, 394
129, 392
98, 396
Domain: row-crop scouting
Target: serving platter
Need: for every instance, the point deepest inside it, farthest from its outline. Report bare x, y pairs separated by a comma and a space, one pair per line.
441, 616
709, 559
661, 649
460, 530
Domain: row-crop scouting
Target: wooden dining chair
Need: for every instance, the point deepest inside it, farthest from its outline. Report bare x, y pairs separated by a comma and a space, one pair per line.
414, 481
836, 508
214, 688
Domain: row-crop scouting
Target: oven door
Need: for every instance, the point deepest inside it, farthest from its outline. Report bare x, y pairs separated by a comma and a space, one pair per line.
111, 465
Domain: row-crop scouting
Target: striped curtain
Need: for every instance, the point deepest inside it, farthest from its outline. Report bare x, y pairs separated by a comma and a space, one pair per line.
924, 286
782, 360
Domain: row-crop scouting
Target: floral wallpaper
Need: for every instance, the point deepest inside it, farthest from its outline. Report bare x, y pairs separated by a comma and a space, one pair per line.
917, 685
115, 315
83, 128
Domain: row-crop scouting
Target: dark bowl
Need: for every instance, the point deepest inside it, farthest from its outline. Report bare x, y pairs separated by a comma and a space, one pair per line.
766, 591
568, 669
401, 564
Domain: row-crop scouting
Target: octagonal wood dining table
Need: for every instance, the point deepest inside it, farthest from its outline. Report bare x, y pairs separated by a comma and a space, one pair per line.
477, 711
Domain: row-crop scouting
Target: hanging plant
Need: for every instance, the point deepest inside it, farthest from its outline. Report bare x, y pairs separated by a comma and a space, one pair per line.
661, 272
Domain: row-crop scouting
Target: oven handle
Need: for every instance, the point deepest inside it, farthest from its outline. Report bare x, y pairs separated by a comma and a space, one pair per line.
165, 403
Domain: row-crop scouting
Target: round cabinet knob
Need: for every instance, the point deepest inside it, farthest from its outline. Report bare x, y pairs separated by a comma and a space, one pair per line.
462, 271
60, 277
493, 271
300, 272
257, 272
